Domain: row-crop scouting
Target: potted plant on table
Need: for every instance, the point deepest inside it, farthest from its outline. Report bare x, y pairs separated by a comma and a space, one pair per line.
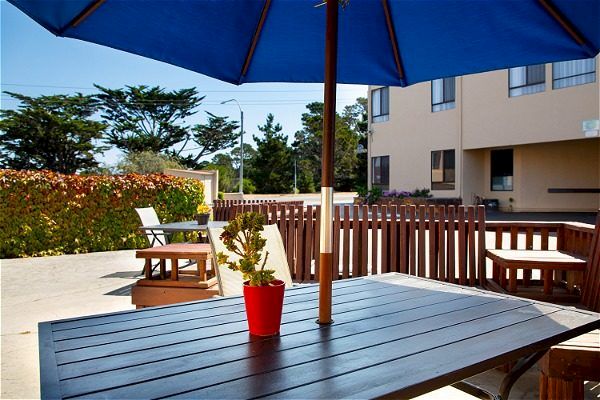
263, 294
203, 214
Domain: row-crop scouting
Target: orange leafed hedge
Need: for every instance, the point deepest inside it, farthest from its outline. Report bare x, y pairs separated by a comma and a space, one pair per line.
45, 213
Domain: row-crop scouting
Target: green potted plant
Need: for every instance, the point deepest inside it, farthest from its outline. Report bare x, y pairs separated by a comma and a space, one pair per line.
263, 294
203, 214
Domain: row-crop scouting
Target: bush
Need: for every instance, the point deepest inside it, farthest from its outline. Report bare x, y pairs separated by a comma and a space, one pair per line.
45, 213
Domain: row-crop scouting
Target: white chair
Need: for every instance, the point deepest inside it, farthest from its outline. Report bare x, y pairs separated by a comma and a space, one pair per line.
148, 216
230, 282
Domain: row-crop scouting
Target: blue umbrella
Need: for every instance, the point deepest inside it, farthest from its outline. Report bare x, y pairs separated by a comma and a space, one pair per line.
386, 42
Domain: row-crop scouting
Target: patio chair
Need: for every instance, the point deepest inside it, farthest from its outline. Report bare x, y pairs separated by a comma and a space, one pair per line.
148, 216
230, 282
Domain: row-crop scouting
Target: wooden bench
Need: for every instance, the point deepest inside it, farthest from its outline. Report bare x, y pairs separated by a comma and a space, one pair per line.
174, 286
565, 366
548, 261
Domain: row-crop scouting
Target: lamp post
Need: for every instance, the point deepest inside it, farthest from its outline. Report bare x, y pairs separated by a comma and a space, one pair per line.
241, 142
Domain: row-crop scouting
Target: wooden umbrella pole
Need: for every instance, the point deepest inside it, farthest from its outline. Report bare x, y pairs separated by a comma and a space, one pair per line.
326, 245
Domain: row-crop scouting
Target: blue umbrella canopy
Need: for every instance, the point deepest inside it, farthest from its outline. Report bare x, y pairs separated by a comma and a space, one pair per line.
380, 42
390, 42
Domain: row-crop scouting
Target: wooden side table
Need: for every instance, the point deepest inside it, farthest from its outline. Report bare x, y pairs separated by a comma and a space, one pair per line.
199, 252
174, 286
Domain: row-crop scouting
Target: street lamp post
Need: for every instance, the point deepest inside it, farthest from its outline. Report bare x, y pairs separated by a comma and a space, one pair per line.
241, 142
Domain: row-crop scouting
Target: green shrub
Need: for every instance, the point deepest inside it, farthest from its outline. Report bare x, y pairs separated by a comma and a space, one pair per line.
45, 213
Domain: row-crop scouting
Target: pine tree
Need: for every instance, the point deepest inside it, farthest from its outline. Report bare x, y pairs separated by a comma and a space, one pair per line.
272, 167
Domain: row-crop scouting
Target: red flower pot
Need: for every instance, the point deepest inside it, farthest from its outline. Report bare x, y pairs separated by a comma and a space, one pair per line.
264, 305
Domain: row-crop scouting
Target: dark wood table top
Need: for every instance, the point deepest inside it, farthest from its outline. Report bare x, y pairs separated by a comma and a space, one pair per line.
393, 334
179, 250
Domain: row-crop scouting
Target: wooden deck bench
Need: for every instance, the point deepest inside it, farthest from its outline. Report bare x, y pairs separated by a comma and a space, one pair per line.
175, 286
565, 366
548, 261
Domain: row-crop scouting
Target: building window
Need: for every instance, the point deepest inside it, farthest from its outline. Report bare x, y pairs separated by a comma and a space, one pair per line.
380, 172
572, 73
380, 104
526, 80
502, 170
442, 170
443, 94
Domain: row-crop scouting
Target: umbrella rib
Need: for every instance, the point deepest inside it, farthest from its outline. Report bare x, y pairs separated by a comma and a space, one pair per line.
392, 32
83, 15
564, 22
255, 37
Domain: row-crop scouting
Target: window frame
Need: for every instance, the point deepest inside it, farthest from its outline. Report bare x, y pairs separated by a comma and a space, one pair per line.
384, 172
592, 72
446, 183
384, 107
527, 83
446, 103
512, 183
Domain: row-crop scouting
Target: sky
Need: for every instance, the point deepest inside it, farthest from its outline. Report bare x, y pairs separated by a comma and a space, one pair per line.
35, 62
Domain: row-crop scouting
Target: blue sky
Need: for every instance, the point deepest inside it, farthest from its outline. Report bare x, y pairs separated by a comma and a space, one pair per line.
35, 62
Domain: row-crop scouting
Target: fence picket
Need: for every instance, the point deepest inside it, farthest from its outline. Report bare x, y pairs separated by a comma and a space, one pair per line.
441, 267
393, 267
471, 238
481, 245
462, 247
346, 244
309, 250
374, 238
403, 248
412, 238
451, 247
299, 242
385, 240
355, 242
432, 244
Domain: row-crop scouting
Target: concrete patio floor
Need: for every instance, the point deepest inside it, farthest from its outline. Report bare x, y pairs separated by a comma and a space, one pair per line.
49, 288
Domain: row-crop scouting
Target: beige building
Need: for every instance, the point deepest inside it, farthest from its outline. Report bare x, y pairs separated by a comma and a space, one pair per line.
527, 136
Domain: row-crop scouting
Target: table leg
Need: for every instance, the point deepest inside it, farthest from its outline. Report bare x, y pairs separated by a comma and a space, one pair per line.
163, 268
148, 268
512, 280
202, 270
174, 269
548, 281
519, 369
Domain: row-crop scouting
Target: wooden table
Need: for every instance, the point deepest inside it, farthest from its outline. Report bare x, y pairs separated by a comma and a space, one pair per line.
546, 260
178, 286
393, 335
174, 227
199, 252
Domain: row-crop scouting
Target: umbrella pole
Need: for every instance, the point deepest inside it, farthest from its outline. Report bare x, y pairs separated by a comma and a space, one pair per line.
326, 245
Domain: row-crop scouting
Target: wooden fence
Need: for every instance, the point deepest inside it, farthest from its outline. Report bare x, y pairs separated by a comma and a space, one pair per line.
445, 243
224, 210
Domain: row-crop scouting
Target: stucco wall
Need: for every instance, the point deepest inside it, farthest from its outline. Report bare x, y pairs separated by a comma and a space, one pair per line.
543, 128
491, 118
409, 136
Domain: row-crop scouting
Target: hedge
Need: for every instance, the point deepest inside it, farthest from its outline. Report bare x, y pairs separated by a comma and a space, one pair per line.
46, 213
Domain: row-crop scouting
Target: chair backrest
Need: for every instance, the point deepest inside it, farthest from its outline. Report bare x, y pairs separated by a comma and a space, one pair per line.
230, 282
590, 296
148, 216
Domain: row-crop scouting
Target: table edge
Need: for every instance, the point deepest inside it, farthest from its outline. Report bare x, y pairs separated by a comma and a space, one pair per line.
49, 383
